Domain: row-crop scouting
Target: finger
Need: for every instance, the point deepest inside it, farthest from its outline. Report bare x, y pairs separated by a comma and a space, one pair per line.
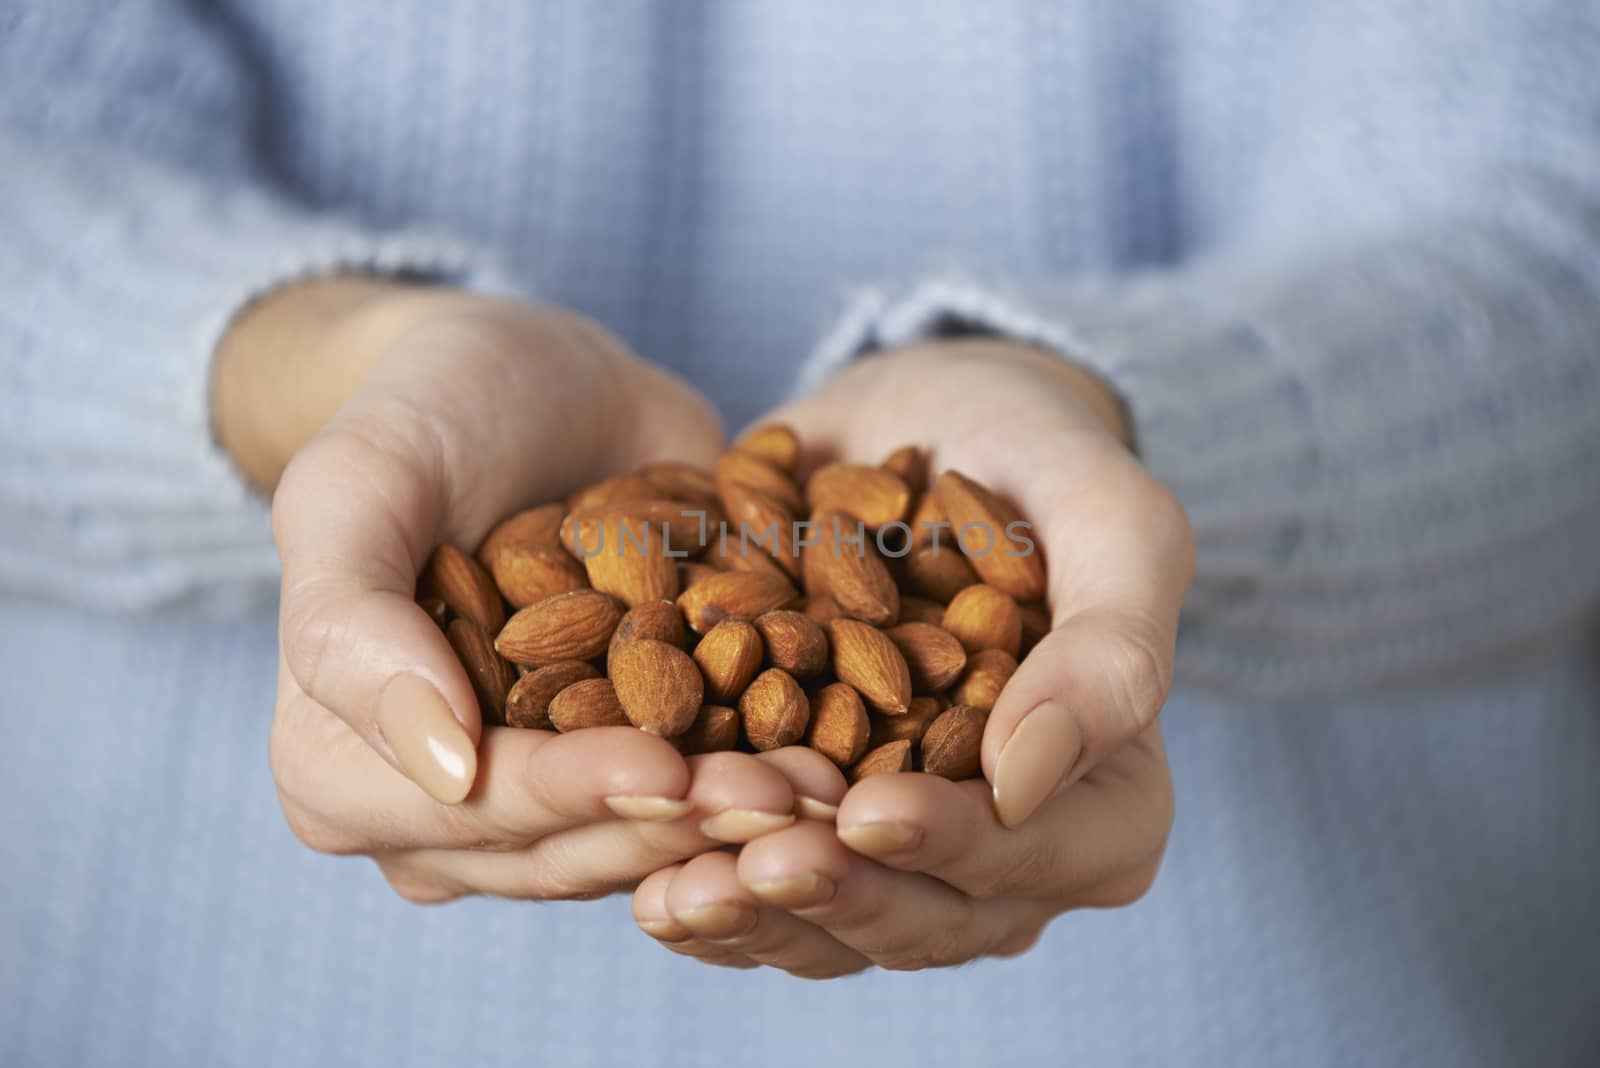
650, 913
817, 782
899, 920
706, 899
738, 797
1109, 826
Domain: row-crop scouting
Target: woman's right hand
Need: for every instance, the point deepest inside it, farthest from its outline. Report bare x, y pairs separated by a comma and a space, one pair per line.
430, 414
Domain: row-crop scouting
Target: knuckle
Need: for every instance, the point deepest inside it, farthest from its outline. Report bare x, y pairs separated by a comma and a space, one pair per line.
1028, 874
1140, 669
317, 833
1124, 890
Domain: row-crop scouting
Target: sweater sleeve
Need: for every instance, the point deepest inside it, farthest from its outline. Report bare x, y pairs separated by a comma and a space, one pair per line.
1378, 393
139, 219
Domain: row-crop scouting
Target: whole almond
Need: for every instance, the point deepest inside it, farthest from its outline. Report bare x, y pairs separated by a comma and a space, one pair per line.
839, 724
628, 559
681, 528
988, 671
776, 443
915, 609
461, 583
822, 609
536, 526
758, 523
871, 494
657, 620
865, 658
794, 642
852, 572
680, 482
737, 467
610, 491
729, 656
528, 703
774, 710
939, 571
885, 759
910, 464
714, 730
1012, 561
1035, 625
934, 655
659, 687
733, 595
726, 554
437, 610
911, 726
528, 572
568, 626
491, 676
981, 617
691, 572
928, 522
953, 743
587, 703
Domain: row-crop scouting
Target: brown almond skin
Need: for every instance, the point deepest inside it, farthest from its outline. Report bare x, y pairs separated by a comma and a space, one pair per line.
657, 620
658, 685
733, 595
759, 523
953, 743
437, 610
856, 577
568, 626
1035, 625
776, 443
914, 609
677, 528
725, 554
693, 572
982, 617
492, 678
1010, 564
911, 726
610, 491
536, 526
528, 572
934, 655
794, 642
628, 559
528, 703
729, 656
865, 658
885, 759
910, 465
737, 467
714, 730
587, 703
774, 710
871, 494
839, 727
988, 671
681, 482
925, 522
822, 609
939, 572
461, 583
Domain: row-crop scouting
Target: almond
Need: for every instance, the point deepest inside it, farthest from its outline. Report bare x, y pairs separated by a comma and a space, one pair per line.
491, 676
587, 703
774, 710
725, 554
1011, 563
839, 724
850, 571
461, 583
658, 685
776, 443
988, 671
921, 610
680, 482
910, 465
610, 491
628, 559
729, 656
939, 571
1035, 625
658, 620
822, 609
981, 617
868, 660
714, 730
681, 529
953, 743
759, 523
528, 703
886, 758
437, 610
911, 726
692, 572
528, 572
871, 494
934, 655
929, 522
736, 467
733, 595
568, 626
536, 526
794, 642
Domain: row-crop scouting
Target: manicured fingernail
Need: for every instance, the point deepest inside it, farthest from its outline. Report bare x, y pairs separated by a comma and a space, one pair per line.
721, 919
737, 825
665, 930
884, 837
1035, 759
433, 748
809, 808
796, 891
654, 809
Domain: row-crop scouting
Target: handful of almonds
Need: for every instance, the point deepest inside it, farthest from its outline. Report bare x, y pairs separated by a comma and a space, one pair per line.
865, 614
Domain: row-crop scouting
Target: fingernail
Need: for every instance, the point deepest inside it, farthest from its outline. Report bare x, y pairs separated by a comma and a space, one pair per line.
736, 825
721, 919
809, 808
1035, 759
643, 807
884, 837
433, 748
665, 930
796, 891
